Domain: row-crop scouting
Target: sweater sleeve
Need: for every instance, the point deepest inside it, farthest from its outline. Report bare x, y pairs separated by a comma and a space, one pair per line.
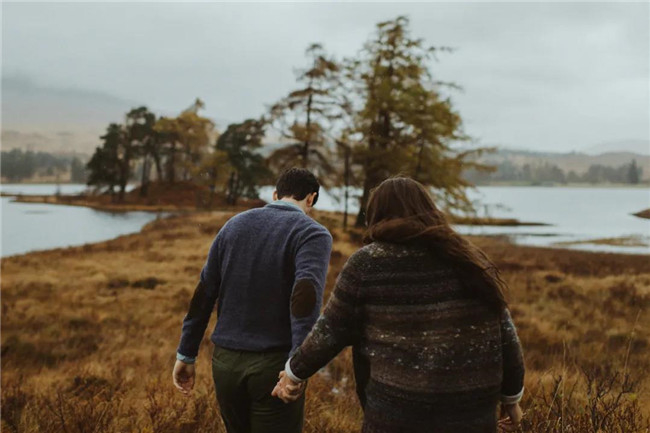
201, 306
512, 387
337, 327
311, 262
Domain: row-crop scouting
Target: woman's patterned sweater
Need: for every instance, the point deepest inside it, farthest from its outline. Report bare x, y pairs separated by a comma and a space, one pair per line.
428, 355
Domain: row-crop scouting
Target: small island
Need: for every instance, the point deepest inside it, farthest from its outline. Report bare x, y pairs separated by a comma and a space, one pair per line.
188, 197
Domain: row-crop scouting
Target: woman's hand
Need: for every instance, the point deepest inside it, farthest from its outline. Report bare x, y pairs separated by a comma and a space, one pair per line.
513, 417
286, 389
183, 377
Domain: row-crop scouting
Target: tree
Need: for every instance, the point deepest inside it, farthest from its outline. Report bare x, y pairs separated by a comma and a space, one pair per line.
77, 171
403, 124
126, 152
240, 142
18, 165
573, 177
103, 167
142, 138
345, 153
633, 174
166, 129
433, 161
305, 114
185, 139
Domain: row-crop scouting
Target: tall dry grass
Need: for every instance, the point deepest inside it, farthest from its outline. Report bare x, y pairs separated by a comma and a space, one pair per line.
89, 334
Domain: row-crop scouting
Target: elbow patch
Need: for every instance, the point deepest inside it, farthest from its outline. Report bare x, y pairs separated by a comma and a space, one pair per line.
198, 300
303, 298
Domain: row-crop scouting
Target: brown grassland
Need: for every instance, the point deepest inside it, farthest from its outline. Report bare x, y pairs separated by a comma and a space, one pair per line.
89, 335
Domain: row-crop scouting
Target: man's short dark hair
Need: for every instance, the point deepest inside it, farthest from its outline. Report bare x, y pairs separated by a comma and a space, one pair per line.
297, 183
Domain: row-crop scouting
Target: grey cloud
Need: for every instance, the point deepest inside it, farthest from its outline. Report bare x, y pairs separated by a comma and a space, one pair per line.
549, 76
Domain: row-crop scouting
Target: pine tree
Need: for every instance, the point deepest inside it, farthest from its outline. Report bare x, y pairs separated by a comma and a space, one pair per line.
185, 140
103, 166
404, 125
241, 142
305, 114
633, 173
77, 171
143, 140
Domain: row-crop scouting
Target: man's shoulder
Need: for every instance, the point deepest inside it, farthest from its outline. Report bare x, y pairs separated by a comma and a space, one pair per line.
304, 221
316, 230
246, 215
239, 221
317, 226
298, 220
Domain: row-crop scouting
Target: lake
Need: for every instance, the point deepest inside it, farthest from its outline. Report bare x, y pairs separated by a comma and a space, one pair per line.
573, 214
35, 226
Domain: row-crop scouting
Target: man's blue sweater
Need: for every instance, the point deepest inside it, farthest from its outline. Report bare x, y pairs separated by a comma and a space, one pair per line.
266, 271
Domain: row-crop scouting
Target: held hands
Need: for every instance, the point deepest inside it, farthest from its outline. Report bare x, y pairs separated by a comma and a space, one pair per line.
512, 419
286, 389
183, 377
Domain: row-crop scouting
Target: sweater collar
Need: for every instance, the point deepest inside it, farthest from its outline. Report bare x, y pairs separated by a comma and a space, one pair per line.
285, 204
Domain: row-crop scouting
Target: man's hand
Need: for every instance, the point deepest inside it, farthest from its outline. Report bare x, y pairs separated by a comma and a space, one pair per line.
183, 377
513, 417
286, 389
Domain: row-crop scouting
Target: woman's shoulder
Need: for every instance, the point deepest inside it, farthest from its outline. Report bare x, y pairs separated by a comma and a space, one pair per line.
371, 251
379, 249
384, 253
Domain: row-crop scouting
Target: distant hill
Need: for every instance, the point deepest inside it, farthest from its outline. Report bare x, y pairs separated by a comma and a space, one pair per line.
578, 162
641, 147
524, 167
57, 120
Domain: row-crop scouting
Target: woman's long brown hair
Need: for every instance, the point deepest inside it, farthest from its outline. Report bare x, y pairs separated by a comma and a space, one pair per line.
401, 210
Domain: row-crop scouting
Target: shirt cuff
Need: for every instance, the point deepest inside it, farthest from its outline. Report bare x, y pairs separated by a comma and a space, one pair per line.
512, 399
288, 372
185, 359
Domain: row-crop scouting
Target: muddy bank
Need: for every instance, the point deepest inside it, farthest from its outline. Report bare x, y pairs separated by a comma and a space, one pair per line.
643, 214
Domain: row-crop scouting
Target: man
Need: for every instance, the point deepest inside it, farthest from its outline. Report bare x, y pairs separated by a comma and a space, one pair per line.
266, 271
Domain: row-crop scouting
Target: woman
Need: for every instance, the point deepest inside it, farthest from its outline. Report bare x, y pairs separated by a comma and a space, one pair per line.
434, 346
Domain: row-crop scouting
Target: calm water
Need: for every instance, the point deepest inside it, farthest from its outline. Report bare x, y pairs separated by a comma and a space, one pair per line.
34, 226
574, 214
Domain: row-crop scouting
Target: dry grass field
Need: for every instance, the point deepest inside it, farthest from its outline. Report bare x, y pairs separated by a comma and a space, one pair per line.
89, 336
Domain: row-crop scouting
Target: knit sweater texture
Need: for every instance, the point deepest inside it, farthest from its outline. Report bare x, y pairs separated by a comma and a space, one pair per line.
266, 271
428, 355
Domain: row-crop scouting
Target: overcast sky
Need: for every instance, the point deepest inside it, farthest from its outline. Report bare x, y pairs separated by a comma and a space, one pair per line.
547, 76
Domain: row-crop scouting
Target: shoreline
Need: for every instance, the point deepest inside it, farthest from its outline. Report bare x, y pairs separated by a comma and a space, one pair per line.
81, 201
63, 200
332, 220
623, 241
74, 200
643, 214
567, 185
335, 217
